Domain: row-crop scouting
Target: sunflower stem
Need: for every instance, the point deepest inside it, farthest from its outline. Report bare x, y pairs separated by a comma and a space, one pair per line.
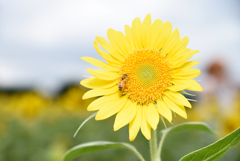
159, 151
153, 146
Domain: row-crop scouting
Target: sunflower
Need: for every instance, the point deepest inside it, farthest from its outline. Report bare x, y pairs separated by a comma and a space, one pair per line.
147, 71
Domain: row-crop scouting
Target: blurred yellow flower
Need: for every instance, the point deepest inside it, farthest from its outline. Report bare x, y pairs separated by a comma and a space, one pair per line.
71, 99
146, 72
70, 102
28, 105
230, 124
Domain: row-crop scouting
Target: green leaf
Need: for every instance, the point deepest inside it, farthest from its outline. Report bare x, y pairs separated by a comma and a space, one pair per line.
86, 120
189, 126
185, 126
96, 146
216, 150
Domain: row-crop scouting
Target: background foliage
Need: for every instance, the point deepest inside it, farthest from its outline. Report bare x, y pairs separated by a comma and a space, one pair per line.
34, 127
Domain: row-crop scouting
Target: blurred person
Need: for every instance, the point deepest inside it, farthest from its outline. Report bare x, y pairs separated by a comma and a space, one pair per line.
218, 100
220, 85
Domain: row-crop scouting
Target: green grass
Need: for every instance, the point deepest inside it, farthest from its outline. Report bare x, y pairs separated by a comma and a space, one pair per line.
48, 139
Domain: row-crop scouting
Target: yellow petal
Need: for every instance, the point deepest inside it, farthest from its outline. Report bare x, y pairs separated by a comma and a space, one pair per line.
155, 29
178, 98
129, 35
179, 45
108, 57
125, 115
128, 46
100, 92
102, 101
137, 33
145, 127
186, 73
100, 64
105, 44
194, 86
177, 87
98, 83
135, 124
164, 110
109, 48
164, 33
181, 57
188, 64
118, 41
180, 110
146, 31
173, 39
105, 75
181, 84
111, 108
152, 116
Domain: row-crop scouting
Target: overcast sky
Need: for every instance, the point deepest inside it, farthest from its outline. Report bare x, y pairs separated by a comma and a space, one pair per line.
42, 41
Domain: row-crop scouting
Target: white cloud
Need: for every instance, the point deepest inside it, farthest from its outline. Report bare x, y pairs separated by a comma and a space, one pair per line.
58, 20
28, 27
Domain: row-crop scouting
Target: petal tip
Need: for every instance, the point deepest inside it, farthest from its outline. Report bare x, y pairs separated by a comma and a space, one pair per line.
148, 16
148, 137
115, 128
154, 128
132, 138
82, 82
84, 96
97, 117
185, 116
83, 58
88, 70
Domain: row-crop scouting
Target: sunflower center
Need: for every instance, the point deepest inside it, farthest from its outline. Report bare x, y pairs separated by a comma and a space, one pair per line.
148, 75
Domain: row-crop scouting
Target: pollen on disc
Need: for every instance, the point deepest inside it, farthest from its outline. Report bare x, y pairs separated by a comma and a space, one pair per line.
148, 74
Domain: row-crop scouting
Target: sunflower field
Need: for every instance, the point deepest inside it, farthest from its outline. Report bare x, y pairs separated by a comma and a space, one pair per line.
35, 127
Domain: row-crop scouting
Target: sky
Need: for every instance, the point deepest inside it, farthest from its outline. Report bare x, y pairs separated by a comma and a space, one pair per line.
42, 41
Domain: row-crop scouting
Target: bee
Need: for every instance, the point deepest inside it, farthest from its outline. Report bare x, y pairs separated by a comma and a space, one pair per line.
122, 82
